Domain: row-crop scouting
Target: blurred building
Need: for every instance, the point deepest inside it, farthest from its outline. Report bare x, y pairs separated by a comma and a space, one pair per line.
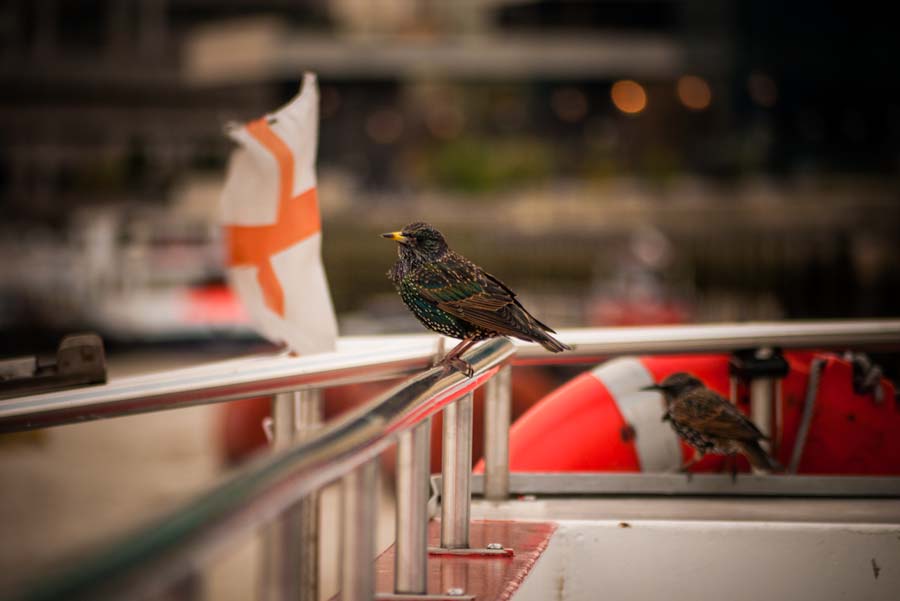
761, 140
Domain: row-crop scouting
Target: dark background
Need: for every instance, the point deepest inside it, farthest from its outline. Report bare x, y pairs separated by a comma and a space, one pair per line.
775, 198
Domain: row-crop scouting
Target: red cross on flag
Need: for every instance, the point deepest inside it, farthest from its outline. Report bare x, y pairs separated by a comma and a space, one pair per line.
273, 229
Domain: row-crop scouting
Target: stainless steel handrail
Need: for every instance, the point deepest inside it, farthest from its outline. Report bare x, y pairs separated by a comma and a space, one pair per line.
355, 360
860, 334
368, 358
153, 558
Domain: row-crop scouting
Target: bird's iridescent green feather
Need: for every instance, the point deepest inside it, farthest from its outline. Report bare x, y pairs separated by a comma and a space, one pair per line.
463, 290
451, 295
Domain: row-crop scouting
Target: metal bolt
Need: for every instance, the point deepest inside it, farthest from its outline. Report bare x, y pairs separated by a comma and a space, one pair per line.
764, 353
455, 592
494, 546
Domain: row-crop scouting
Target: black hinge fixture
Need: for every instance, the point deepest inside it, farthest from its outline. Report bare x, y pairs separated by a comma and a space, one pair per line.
758, 363
80, 361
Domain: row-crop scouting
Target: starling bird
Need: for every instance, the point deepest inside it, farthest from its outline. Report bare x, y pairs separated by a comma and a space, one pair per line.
709, 423
452, 296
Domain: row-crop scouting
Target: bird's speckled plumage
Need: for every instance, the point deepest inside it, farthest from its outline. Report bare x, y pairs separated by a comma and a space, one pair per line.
709, 422
451, 295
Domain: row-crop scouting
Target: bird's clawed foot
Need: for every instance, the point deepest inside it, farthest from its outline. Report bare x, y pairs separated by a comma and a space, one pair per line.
452, 359
459, 365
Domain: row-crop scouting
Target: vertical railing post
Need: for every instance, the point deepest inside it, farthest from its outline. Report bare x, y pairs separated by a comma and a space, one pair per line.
763, 368
308, 415
456, 468
497, 408
291, 556
765, 396
762, 400
282, 420
360, 494
762, 407
411, 547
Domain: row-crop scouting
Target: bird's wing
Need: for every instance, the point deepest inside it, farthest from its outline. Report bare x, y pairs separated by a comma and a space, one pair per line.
464, 290
712, 414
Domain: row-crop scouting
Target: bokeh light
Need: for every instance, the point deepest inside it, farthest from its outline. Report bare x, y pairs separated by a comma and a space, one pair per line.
445, 121
330, 103
694, 92
762, 89
509, 110
629, 96
569, 104
385, 125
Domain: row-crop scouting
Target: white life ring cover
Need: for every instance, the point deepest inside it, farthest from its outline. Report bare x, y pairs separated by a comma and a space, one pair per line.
657, 445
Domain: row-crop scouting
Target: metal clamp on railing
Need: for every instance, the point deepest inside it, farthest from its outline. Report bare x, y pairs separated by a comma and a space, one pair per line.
163, 555
80, 361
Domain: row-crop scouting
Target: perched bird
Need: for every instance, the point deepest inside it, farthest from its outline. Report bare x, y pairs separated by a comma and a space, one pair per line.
452, 296
709, 423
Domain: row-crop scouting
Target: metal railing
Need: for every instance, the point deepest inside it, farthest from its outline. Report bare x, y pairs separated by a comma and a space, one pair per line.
838, 335
368, 358
165, 555
162, 555
355, 360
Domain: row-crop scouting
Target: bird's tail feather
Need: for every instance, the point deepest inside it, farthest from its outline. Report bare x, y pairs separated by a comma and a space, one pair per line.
537, 331
552, 344
759, 458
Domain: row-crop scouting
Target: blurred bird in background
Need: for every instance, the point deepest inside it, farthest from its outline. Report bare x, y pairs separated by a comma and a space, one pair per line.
709, 423
452, 296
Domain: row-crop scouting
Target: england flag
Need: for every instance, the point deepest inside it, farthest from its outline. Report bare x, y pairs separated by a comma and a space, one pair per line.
273, 229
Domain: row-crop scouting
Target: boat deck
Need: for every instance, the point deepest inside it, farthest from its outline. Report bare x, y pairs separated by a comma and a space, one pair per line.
710, 548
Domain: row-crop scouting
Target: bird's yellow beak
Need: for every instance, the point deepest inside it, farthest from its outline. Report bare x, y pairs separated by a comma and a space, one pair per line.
395, 236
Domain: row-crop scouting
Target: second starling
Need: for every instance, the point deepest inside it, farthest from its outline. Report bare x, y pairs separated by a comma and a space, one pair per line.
453, 296
709, 423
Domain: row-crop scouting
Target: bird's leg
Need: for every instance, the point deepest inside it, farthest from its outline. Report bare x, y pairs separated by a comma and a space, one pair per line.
684, 468
730, 464
457, 350
697, 457
452, 359
460, 366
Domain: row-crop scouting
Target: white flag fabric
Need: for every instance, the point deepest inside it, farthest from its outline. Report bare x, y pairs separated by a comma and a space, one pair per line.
273, 229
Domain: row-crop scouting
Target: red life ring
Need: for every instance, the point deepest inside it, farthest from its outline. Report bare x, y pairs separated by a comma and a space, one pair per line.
603, 421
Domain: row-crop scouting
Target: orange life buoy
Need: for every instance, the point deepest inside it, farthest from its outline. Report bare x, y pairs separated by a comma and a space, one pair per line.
603, 421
